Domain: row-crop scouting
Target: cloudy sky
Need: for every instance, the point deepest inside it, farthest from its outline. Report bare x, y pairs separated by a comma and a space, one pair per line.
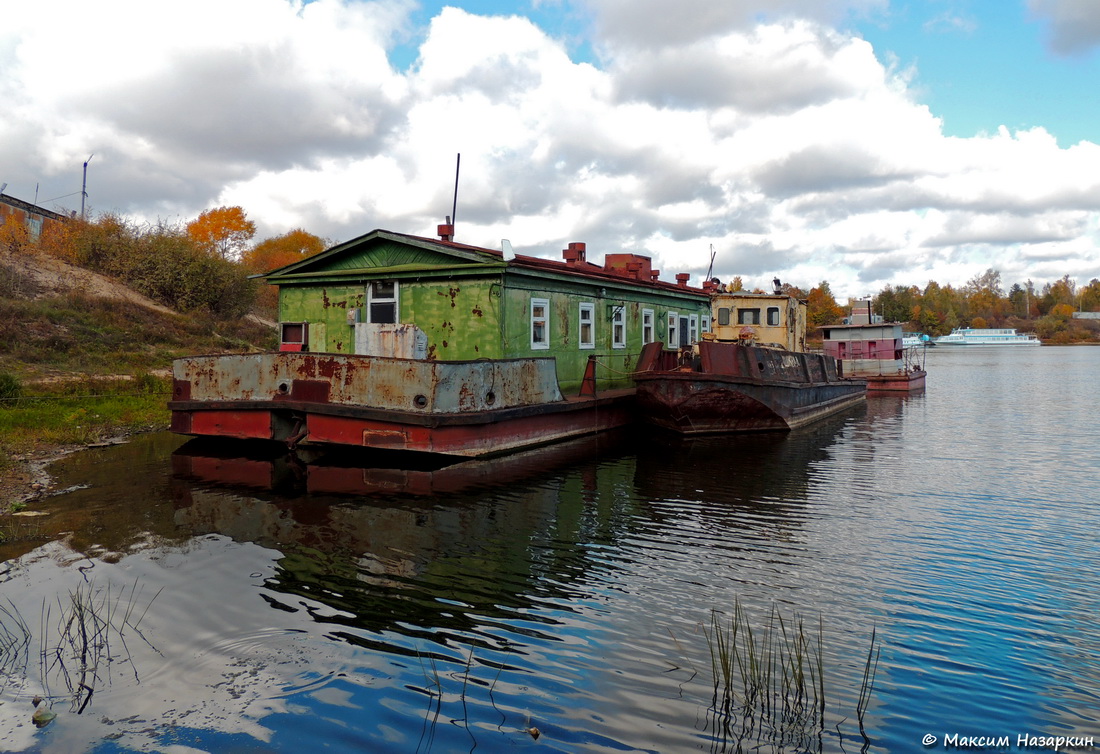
862, 142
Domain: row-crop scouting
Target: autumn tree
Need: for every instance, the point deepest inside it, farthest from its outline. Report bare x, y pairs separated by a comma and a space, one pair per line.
821, 306
1090, 296
224, 231
279, 251
985, 299
1061, 291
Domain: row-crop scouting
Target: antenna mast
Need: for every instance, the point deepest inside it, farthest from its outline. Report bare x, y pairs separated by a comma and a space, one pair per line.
454, 204
712, 252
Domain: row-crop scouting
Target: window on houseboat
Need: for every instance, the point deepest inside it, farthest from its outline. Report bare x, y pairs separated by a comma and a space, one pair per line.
618, 327
773, 316
673, 330
540, 323
586, 335
723, 316
704, 323
693, 328
647, 326
748, 316
382, 302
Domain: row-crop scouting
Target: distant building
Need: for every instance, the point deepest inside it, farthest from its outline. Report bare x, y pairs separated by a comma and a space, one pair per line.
34, 217
1086, 315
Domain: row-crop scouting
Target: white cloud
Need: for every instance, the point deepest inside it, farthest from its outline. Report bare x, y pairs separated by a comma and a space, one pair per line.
786, 144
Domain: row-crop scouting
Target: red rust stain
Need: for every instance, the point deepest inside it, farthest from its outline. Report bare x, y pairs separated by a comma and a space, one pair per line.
324, 297
452, 292
444, 344
477, 310
476, 349
328, 368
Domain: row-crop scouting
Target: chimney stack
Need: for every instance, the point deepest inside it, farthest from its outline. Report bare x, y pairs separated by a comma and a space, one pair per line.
575, 253
682, 279
446, 231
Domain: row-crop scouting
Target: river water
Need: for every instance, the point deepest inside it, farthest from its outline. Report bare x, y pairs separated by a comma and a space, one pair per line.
190, 597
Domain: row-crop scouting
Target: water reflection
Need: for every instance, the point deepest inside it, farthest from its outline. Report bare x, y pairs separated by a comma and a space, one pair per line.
326, 602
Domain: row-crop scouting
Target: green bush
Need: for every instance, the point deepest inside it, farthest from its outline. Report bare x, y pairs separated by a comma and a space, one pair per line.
10, 388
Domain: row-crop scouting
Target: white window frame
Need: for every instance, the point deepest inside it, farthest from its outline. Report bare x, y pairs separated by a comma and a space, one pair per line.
648, 333
704, 323
618, 326
542, 344
383, 300
693, 328
674, 330
588, 309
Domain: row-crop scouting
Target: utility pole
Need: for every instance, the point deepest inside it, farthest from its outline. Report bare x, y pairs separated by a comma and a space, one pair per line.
84, 186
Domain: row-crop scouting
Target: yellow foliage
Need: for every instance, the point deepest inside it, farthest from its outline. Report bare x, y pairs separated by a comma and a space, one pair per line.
224, 231
279, 251
13, 235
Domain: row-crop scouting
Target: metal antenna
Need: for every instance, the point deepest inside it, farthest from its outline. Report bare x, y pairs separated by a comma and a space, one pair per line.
454, 204
84, 186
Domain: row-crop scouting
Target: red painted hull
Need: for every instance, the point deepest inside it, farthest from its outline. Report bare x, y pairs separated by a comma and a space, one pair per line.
475, 434
470, 409
909, 382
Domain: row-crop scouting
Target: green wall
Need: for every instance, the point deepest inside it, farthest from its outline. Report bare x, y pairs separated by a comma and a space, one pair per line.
614, 365
460, 316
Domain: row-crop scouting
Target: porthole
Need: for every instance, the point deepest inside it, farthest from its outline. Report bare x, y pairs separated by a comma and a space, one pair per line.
420, 401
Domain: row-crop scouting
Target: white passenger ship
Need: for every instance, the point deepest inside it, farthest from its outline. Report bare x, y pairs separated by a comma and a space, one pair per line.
968, 336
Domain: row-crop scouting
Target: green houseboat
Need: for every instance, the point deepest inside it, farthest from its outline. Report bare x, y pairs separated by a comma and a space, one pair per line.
425, 344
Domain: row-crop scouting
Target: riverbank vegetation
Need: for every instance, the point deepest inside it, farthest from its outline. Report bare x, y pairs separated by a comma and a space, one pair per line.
1048, 311
96, 310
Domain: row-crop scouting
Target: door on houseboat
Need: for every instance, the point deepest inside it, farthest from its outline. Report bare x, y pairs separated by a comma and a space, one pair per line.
381, 334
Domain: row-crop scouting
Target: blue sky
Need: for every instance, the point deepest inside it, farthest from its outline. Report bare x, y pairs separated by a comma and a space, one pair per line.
861, 142
978, 64
983, 64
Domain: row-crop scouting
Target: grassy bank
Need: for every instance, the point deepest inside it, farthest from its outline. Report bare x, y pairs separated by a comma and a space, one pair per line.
76, 370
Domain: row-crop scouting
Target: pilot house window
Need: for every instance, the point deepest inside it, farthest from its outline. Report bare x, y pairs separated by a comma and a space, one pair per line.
748, 316
382, 301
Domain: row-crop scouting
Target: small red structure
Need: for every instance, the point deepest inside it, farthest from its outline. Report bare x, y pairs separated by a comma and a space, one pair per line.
873, 351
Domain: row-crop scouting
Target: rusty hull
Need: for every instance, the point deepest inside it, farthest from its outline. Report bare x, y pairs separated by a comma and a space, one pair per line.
470, 408
728, 387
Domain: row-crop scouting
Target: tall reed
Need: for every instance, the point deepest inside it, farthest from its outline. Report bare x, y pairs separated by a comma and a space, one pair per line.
769, 682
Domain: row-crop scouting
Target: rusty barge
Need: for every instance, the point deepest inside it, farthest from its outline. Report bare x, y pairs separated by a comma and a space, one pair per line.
398, 342
731, 387
468, 408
